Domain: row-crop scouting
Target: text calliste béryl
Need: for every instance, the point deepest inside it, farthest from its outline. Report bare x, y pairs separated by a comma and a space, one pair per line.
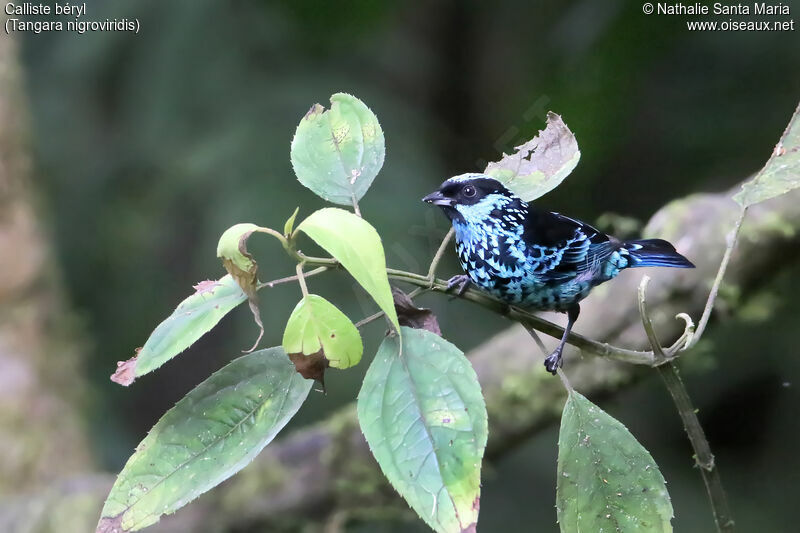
758, 8
30, 8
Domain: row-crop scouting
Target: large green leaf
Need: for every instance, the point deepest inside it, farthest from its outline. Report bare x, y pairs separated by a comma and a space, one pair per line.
541, 164
212, 433
607, 481
192, 319
424, 417
357, 246
316, 324
337, 153
781, 174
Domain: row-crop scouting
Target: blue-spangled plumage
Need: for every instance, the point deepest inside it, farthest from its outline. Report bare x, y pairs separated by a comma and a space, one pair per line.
536, 259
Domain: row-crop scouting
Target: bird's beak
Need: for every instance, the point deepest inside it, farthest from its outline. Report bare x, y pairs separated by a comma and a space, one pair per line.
437, 198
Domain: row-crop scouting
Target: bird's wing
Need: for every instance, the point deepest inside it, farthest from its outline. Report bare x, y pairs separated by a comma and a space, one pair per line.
561, 247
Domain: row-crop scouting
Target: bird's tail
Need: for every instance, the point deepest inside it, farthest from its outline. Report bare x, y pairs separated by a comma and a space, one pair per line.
654, 252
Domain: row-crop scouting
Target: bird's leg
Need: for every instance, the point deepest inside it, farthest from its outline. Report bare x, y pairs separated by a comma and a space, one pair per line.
461, 281
553, 361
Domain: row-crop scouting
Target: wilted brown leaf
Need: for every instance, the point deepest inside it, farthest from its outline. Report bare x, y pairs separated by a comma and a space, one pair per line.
126, 371
412, 316
311, 366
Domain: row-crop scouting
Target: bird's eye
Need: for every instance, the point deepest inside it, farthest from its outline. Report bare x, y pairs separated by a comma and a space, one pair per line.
469, 191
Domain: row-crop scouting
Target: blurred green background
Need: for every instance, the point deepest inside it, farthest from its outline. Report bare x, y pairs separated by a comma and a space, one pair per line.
148, 146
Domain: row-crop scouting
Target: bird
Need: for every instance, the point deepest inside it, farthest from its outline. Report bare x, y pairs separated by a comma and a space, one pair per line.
535, 259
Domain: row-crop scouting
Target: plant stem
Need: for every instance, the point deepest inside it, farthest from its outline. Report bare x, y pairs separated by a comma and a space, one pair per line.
301, 279
702, 451
370, 318
649, 330
438, 256
732, 237
356, 209
287, 279
680, 397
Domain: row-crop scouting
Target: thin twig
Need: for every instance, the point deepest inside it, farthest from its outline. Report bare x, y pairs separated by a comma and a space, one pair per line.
685, 340
370, 318
287, 279
732, 237
538, 340
438, 256
278, 235
376, 316
649, 330
301, 279
680, 397
356, 209
702, 451
565, 381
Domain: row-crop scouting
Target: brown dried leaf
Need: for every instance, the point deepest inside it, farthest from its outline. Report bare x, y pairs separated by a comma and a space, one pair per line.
412, 316
311, 366
126, 371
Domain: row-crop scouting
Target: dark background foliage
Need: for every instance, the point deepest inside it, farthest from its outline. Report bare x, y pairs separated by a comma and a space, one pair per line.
150, 145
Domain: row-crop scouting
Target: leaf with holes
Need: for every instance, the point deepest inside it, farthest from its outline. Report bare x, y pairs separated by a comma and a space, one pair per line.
541, 164
607, 481
353, 242
781, 174
192, 319
337, 153
424, 417
212, 433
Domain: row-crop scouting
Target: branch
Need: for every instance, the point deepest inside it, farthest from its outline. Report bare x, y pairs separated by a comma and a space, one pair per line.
328, 467
683, 403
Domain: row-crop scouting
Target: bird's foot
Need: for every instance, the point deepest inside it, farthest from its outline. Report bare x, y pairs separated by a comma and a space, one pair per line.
553, 361
461, 281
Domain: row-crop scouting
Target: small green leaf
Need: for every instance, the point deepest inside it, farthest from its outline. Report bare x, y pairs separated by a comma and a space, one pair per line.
781, 174
337, 153
424, 417
192, 319
232, 249
353, 242
316, 324
607, 481
212, 433
541, 164
288, 227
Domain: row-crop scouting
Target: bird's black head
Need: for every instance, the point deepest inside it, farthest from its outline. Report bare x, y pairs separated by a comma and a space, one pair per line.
468, 195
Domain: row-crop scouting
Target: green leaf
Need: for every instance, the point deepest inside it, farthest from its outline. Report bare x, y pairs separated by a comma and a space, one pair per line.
353, 242
316, 324
212, 433
288, 227
541, 164
337, 153
781, 174
424, 418
607, 481
192, 319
